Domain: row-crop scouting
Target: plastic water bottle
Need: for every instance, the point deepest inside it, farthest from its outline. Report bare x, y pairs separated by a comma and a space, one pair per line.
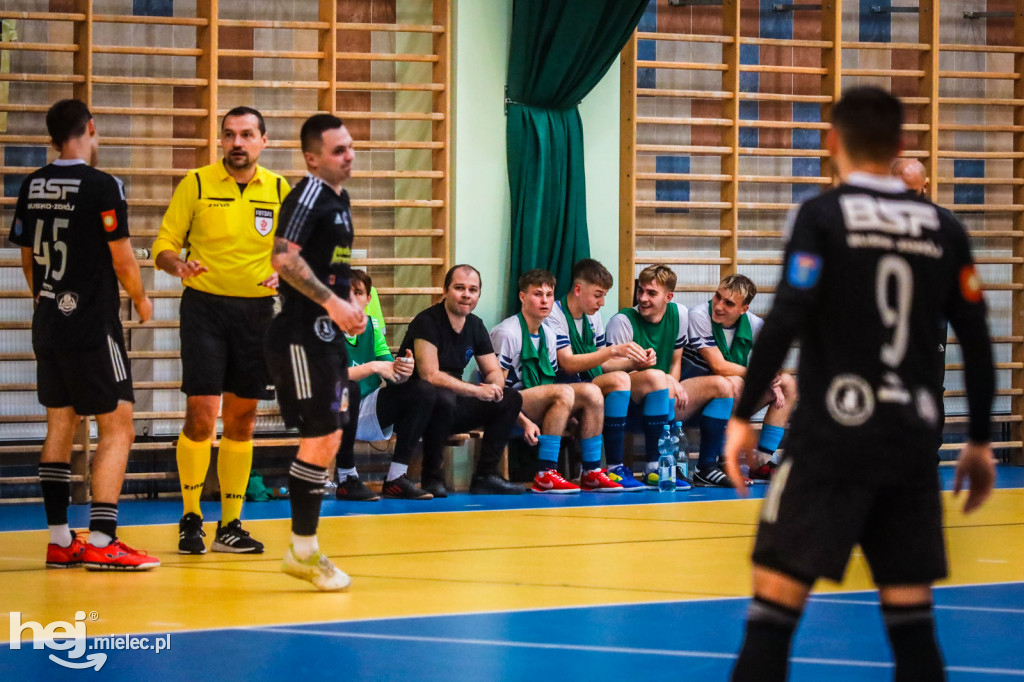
682, 458
666, 462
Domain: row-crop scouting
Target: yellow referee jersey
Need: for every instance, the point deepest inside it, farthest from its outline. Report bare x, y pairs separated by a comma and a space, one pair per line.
230, 233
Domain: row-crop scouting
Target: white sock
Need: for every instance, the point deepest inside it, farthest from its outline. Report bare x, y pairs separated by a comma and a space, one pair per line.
650, 466
343, 474
397, 470
304, 546
776, 457
60, 535
99, 539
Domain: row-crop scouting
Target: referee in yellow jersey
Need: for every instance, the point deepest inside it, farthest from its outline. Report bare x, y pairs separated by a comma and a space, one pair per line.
223, 216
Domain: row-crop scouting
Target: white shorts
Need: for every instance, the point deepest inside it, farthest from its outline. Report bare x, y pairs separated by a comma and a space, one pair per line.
368, 428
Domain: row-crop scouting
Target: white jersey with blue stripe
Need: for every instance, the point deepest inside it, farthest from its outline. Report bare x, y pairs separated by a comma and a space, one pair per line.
507, 339
620, 330
557, 323
702, 336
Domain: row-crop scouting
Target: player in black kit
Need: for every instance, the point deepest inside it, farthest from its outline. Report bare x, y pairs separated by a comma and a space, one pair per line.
869, 270
71, 223
305, 347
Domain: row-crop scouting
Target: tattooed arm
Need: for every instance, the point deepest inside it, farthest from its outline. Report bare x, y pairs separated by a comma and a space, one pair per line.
294, 269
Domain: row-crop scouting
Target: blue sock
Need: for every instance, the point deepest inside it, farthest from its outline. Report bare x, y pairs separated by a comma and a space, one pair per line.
713, 421
547, 454
771, 436
591, 456
656, 406
616, 405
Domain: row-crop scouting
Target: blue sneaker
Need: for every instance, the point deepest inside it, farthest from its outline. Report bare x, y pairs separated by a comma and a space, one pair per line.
624, 477
650, 481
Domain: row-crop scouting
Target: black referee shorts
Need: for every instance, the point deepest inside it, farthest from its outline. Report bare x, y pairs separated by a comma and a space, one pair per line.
91, 381
311, 379
222, 345
810, 524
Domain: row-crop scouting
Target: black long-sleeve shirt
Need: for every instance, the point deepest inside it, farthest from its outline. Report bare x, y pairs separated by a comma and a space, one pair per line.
868, 273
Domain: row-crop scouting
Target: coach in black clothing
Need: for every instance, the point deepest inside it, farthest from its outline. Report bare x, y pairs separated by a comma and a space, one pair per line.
443, 338
895, 264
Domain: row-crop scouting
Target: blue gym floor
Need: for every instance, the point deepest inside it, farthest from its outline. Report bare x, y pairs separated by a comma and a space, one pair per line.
840, 639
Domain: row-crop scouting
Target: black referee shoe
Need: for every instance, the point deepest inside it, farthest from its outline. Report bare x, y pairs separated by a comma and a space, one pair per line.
191, 534
233, 540
403, 489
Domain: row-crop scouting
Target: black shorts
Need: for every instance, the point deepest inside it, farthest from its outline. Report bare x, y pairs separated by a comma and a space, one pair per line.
312, 387
810, 524
222, 345
92, 381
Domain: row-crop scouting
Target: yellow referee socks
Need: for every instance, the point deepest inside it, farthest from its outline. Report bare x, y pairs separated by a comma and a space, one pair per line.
193, 461
234, 461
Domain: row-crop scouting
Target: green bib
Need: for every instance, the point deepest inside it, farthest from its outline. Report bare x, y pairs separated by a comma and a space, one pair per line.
537, 369
741, 342
581, 344
661, 336
366, 348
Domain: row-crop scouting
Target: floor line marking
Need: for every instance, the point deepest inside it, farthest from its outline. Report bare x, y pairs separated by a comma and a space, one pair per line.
609, 649
937, 607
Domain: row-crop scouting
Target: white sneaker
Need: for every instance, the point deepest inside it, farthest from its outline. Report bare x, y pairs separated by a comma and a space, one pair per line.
317, 569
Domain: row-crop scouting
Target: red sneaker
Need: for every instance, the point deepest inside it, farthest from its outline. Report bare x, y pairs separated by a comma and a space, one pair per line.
764, 472
117, 556
550, 482
598, 482
65, 557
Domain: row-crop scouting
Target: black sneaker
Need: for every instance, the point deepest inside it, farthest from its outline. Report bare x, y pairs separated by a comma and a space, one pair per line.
713, 477
493, 484
354, 490
403, 489
191, 534
232, 539
435, 488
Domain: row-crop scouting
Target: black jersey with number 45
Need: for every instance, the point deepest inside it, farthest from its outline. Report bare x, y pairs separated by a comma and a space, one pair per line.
318, 220
68, 213
868, 273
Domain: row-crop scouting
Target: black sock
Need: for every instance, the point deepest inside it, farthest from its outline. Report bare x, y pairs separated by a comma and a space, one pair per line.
103, 518
55, 481
764, 656
306, 491
912, 635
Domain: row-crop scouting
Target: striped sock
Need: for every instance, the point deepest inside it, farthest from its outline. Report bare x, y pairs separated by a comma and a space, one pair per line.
55, 482
102, 524
306, 484
547, 453
616, 404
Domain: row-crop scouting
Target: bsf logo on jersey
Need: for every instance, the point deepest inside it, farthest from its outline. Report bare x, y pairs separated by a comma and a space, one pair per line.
67, 302
53, 188
850, 400
324, 329
804, 269
109, 219
970, 284
264, 221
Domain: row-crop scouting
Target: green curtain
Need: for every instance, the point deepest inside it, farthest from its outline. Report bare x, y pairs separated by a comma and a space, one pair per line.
559, 51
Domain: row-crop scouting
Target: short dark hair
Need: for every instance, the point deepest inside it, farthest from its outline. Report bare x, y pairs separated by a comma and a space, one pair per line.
67, 119
363, 277
536, 278
246, 111
591, 271
312, 134
742, 285
869, 121
448, 276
